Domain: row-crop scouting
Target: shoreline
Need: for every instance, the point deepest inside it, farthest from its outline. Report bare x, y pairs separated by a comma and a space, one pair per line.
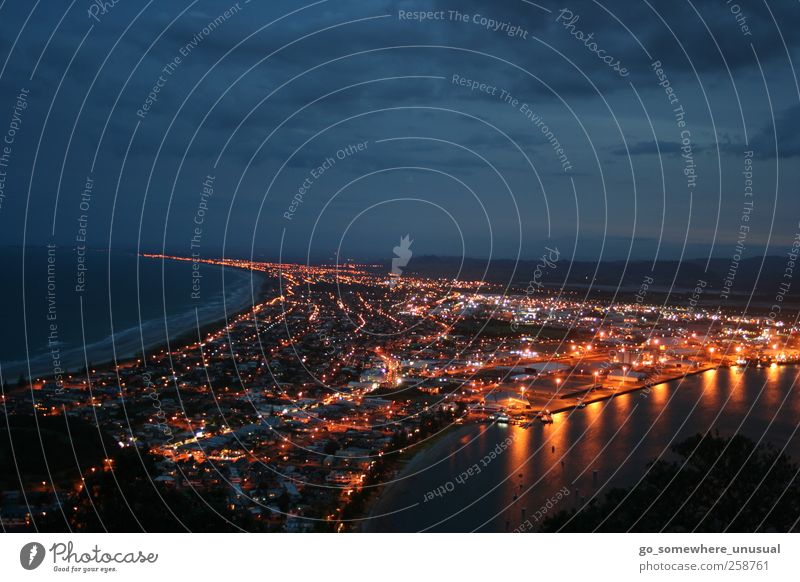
129, 350
622, 389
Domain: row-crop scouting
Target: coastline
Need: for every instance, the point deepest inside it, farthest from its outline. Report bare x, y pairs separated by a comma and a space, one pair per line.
189, 335
634, 387
128, 342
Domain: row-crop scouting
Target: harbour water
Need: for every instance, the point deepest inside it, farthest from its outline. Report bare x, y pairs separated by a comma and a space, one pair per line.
516, 471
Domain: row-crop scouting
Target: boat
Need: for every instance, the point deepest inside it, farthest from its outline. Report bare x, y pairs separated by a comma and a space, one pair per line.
546, 417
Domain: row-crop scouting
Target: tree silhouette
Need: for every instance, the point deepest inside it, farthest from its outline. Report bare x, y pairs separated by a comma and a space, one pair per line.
715, 484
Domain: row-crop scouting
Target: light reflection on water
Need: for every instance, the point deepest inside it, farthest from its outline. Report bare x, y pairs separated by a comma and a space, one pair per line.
605, 444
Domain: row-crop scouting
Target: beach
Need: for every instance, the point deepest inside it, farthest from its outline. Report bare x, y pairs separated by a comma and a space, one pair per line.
129, 304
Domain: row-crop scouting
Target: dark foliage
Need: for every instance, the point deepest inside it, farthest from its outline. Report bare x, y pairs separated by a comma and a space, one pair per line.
715, 484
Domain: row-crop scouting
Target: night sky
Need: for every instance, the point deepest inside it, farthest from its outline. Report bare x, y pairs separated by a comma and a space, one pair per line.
495, 132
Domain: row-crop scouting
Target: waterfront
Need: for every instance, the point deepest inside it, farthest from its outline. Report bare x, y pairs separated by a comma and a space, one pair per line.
604, 445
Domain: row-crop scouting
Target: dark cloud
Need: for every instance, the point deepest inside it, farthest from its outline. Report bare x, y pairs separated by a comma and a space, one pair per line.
254, 106
664, 148
784, 135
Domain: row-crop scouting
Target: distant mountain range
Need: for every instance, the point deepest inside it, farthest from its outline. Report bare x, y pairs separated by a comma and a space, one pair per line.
764, 274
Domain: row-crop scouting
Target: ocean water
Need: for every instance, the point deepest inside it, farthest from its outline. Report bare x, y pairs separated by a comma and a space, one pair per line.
131, 300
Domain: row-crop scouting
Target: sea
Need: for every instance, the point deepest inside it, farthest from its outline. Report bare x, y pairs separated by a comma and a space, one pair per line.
61, 310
